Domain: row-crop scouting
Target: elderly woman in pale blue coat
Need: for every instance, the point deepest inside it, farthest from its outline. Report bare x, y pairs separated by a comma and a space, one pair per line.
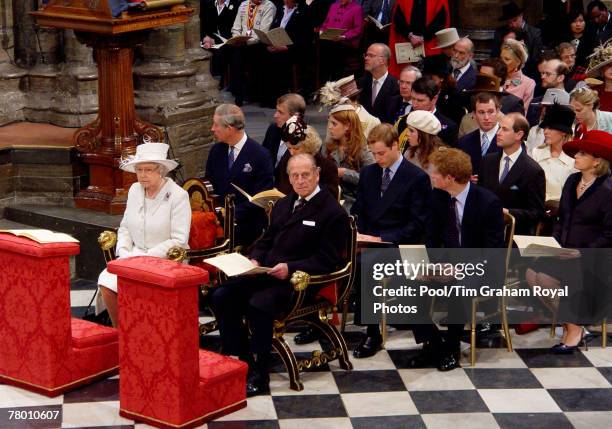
157, 216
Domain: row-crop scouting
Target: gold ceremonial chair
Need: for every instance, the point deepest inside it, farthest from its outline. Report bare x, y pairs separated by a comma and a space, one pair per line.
337, 286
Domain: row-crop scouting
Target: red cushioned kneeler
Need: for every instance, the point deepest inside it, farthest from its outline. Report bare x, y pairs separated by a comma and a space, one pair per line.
41, 347
166, 380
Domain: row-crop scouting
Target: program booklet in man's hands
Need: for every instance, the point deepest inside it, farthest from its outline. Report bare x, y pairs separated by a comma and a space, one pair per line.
406, 53
42, 236
262, 199
275, 37
235, 264
535, 246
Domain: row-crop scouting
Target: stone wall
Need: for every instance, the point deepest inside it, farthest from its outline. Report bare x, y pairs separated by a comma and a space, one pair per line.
48, 76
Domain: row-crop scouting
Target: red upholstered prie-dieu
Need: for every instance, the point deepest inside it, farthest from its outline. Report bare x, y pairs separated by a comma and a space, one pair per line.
41, 347
166, 380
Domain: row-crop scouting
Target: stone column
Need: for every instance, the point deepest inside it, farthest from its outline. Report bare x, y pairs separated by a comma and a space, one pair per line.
167, 94
40, 50
12, 100
75, 102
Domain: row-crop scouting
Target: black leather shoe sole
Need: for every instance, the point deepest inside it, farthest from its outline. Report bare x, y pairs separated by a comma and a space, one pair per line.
368, 348
307, 336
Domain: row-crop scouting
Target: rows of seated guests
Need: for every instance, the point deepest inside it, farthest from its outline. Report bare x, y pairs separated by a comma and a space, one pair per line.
328, 38
431, 153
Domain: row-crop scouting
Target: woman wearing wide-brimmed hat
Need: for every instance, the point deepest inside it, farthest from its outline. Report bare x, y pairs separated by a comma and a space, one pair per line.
157, 216
600, 67
557, 165
584, 222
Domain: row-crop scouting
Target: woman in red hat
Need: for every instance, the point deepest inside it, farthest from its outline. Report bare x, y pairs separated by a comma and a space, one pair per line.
584, 222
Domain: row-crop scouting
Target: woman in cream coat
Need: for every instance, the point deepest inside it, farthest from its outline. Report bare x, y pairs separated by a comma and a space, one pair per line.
157, 216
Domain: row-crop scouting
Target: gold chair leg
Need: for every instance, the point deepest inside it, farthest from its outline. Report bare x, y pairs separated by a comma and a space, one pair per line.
604, 333
473, 335
345, 306
505, 324
337, 341
290, 362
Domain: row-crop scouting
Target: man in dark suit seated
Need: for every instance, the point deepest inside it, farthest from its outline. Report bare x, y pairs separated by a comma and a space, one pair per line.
464, 72
425, 94
514, 177
483, 140
390, 207
600, 17
461, 215
240, 160
216, 19
286, 106
379, 90
276, 65
308, 232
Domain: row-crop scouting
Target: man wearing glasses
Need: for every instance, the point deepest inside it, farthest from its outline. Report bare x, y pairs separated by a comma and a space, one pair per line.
379, 90
553, 75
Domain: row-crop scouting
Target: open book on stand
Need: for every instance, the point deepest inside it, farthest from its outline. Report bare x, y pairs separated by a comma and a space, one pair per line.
263, 198
534, 246
275, 37
235, 264
42, 236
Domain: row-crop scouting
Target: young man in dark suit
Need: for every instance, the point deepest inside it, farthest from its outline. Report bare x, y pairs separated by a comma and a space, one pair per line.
286, 106
240, 160
461, 215
425, 94
379, 90
308, 232
483, 140
514, 177
390, 207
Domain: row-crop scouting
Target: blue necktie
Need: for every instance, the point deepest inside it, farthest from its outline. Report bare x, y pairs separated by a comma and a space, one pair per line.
386, 12
485, 144
230, 158
506, 169
386, 179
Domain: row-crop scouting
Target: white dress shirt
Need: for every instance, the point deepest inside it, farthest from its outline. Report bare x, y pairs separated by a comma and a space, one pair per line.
513, 158
238, 146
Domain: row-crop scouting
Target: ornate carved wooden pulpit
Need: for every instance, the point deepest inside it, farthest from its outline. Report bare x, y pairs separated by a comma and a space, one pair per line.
117, 130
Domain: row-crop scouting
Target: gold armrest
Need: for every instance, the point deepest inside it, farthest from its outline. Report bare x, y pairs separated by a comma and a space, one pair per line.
300, 280
176, 254
107, 241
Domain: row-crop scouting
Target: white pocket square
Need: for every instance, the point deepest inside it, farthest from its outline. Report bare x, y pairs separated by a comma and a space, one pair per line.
308, 222
247, 168
514, 188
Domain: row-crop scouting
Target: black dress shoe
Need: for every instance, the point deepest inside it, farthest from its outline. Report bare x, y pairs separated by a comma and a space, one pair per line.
448, 362
307, 336
368, 347
257, 385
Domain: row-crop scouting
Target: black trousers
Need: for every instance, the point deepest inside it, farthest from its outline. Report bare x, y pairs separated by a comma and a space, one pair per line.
259, 299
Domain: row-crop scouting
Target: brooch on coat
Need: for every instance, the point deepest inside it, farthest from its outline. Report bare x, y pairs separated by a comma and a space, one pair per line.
167, 196
515, 82
247, 168
231, 7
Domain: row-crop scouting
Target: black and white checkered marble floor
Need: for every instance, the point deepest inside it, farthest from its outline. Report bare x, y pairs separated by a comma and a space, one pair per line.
526, 388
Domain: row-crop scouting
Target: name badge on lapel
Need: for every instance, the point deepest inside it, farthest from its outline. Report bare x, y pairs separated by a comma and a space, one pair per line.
308, 222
